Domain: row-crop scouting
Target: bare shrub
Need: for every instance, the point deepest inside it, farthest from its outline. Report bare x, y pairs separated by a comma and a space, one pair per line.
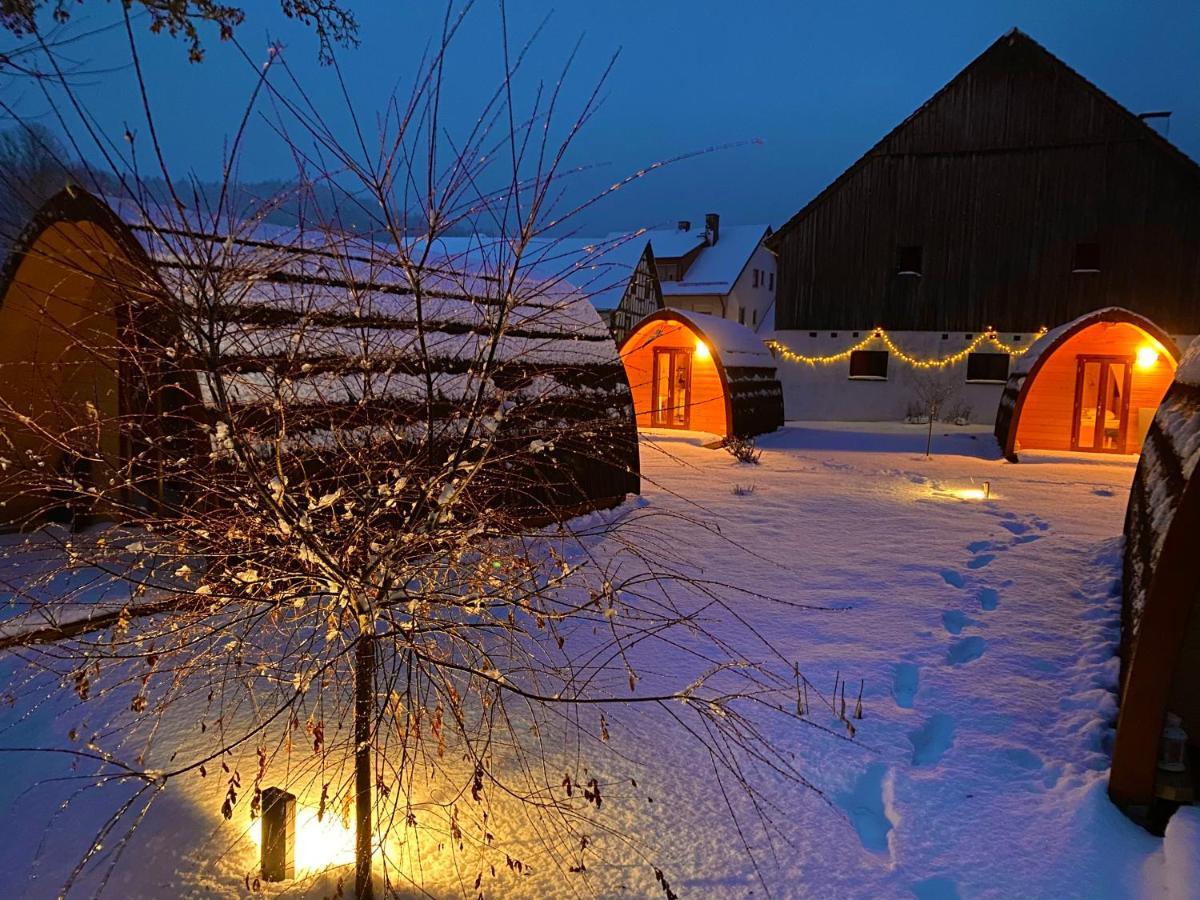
744, 450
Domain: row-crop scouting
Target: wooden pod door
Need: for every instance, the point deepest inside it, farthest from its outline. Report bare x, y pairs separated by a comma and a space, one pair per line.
671, 388
1101, 418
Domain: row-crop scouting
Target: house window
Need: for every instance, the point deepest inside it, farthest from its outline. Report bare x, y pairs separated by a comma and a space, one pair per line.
667, 272
756, 278
987, 367
1086, 259
741, 315
870, 365
754, 317
908, 260
771, 284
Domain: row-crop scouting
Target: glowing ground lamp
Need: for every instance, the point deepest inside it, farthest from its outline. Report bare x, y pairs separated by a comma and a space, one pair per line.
983, 493
278, 835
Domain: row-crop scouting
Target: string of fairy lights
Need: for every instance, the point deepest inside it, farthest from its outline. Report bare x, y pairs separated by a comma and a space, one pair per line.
988, 336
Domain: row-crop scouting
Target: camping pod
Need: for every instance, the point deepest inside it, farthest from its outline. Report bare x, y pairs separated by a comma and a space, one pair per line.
1090, 385
132, 338
1160, 616
698, 372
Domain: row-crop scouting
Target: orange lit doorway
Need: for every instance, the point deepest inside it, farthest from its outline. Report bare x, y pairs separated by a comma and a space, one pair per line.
672, 388
1101, 423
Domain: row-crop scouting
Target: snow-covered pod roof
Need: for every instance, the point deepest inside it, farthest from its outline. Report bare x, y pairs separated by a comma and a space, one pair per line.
357, 343
1025, 367
1160, 614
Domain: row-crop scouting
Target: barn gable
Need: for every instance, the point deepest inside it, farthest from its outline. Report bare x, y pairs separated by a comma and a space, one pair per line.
995, 179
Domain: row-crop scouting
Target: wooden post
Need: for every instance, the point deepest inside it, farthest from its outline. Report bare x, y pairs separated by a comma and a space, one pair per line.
364, 709
278, 835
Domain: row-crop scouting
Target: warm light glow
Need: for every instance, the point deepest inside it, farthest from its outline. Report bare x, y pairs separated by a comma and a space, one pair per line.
1147, 356
970, 494
879, 335
319, 845
702, 351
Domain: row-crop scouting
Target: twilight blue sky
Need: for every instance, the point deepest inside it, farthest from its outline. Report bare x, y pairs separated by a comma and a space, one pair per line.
813, 84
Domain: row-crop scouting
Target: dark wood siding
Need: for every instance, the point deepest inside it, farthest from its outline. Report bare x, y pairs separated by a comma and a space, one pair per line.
997, 179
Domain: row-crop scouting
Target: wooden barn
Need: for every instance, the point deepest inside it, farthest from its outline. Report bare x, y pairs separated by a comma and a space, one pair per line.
1160, 617
1019, 196
1090, 385
697, 372
103, 347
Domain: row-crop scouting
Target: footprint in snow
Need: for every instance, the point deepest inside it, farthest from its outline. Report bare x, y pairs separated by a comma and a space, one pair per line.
905, 680
939, 887
976, 546
952, 577
966, 650
989, 599
955, 621
980, 561
1022, 758
864, 805
1027, 538
1103, 492
931, 741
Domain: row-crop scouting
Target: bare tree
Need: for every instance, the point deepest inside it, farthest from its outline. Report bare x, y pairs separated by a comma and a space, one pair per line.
331, 20
933, 388
341, 470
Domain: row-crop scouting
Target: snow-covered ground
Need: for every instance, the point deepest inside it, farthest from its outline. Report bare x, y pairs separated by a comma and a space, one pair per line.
983, 630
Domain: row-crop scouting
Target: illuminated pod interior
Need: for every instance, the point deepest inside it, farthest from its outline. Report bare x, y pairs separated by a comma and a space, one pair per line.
699, 372
1095, 390
674, 379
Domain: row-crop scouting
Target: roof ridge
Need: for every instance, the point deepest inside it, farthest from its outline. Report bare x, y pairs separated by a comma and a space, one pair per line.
1011, 37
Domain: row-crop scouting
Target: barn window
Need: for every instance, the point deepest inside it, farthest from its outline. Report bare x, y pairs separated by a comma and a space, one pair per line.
754, 317
771, 283
987, 367
756, 278
741, 315
1086, 259
869, 364
908, 260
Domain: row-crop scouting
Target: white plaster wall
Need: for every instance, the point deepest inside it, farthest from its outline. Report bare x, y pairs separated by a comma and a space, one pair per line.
761, 298
827, 393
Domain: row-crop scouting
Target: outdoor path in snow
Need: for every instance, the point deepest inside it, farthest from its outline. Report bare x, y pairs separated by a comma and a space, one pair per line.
982, 631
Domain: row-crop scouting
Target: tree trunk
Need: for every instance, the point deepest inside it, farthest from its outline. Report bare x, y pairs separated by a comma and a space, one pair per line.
364, 710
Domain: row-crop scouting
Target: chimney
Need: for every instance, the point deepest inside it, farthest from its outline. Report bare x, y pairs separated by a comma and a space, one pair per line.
712, 225
685, 225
